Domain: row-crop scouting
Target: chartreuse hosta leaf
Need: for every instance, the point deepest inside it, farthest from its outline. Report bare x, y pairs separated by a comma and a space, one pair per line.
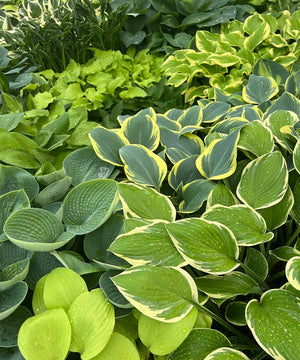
228, 285
90, 204
275, 323
146, 203
107, 143
150, 244
13, 273
199, 344
259, 89
36, 229
249, 135
159, 292
142, 130
264, 181
225, 353
119, 347
142, 166
11, 298
163, 338
221, 195
206, 245
92, 321
292, 271
218, 161
247, 225
45, 336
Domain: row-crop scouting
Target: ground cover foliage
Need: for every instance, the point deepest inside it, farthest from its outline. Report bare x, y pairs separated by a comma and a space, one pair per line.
141, 220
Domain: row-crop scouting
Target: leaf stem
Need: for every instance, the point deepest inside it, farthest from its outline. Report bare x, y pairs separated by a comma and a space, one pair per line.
260, 356
254, 276
293, 237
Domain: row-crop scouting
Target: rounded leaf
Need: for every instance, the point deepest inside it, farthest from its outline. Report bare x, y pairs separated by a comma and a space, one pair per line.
11, 298
292, 271
226, 354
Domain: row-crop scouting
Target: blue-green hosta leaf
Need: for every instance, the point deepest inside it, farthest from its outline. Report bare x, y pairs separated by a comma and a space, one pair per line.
292, 84
199, 344
45, 336
164, 121
11, 298
194, 194
162, 293
92, 321
53, 192
275, 323
142, 166
83, 164
12, 353
214, 111
221, 195
264, 181
225, 353
142, 130
119, 347
271, 69
36, 230
191, 119
208, 246
227, 126
228, 285
286, 102
292, 271
218, 161
184, 172
13, 273
259, 89
13, 178
249, 135
247, 225
159, 336
107, 143
89, 205
146, 203
150, 244
235, 313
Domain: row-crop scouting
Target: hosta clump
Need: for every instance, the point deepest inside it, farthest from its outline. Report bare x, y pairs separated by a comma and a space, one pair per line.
225, 60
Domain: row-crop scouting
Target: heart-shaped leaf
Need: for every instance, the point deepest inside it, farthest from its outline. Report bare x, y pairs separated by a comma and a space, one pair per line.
221, 195
11, 298
225, 353
89, 205
259, 89
235, 313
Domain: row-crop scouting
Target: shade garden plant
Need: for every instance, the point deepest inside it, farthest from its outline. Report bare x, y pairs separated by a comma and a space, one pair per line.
137, 228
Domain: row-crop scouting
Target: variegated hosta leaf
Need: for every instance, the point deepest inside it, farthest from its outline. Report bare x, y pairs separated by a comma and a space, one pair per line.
221, 195
159, 336
199, 344
259, 89
89, 204
213, 111
225, 353
191, 119
296, 156
271, 69
142, 166
218, 161
275, 323
45, 336
162, 293
235, 313
150, 244
208, 246
92, 321
107, 143
248, 227
12, 297
292, 271
264, 181
36, 229
146, 203
286, 102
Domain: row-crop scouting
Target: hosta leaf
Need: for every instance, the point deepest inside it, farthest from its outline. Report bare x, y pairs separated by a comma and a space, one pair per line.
107, 143
11, 298
292, 271
142, 130
262, 32
118, 347
159, 336
275, 323
162, 293
38, 304
225, 353
286, 102
208, 246
146, 203
256, 262
13, 273
264, 181
191, 119
235, 313
285, 253
12, 353
11, 120
150, 244
45, 336
296, 207
36, 229
92, 321
248, 227
143, 166
218, 161
220, 194
214, 111
74, 261
53, 192
89, 205
259, 89
228, 285
249, 135
271, 69
296, 156
199, 344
